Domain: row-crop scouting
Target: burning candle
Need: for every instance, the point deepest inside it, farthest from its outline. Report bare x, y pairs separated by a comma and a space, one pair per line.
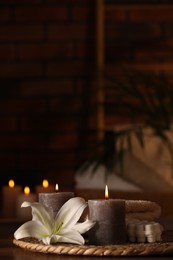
109, 215
45, 187
9, 196
25, 213
54, 201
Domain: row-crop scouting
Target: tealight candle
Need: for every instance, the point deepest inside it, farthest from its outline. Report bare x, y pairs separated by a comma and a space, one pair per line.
109, 215
25, 213
54, 201
44, 188
9, 195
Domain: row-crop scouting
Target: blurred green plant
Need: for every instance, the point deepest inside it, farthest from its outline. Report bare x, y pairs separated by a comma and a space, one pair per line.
145, 98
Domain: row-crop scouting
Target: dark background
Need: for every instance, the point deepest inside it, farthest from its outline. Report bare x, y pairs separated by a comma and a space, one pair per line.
48, 72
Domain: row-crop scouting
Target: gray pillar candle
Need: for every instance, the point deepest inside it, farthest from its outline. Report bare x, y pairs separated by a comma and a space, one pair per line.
110, 225
54, 201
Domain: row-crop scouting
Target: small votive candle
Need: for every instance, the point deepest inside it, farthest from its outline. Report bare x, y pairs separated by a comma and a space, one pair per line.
9, 196
44, 188
25, 213
109, 215
54, 201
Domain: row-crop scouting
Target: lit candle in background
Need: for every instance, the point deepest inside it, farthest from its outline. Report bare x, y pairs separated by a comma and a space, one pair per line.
25, 213
9, 196
45, 187
106, 192
45, 184
109, 215
54, 201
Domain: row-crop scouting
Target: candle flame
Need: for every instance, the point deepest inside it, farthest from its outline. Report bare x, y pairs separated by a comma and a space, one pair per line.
11, 183
56, 187
106, 192
27, 190
45, 184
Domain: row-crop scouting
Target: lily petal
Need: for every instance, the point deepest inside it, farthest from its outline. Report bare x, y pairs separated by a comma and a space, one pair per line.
40, 213
31, 229
70, 213
63, 229
84, 226
46, 240
68, 236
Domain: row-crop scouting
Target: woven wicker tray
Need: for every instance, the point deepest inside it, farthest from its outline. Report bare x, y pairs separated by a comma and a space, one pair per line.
129, 249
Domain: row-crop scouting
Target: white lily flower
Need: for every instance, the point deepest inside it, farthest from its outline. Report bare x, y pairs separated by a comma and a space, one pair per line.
64, 228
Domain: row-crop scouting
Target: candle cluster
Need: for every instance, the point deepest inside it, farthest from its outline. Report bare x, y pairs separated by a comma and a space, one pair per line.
13, 196
108, 215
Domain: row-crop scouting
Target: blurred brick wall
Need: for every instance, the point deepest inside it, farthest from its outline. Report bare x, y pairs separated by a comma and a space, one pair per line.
139, 36
47, 70
46, 61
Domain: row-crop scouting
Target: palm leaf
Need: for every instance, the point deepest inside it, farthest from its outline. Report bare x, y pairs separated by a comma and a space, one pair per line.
144, 94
